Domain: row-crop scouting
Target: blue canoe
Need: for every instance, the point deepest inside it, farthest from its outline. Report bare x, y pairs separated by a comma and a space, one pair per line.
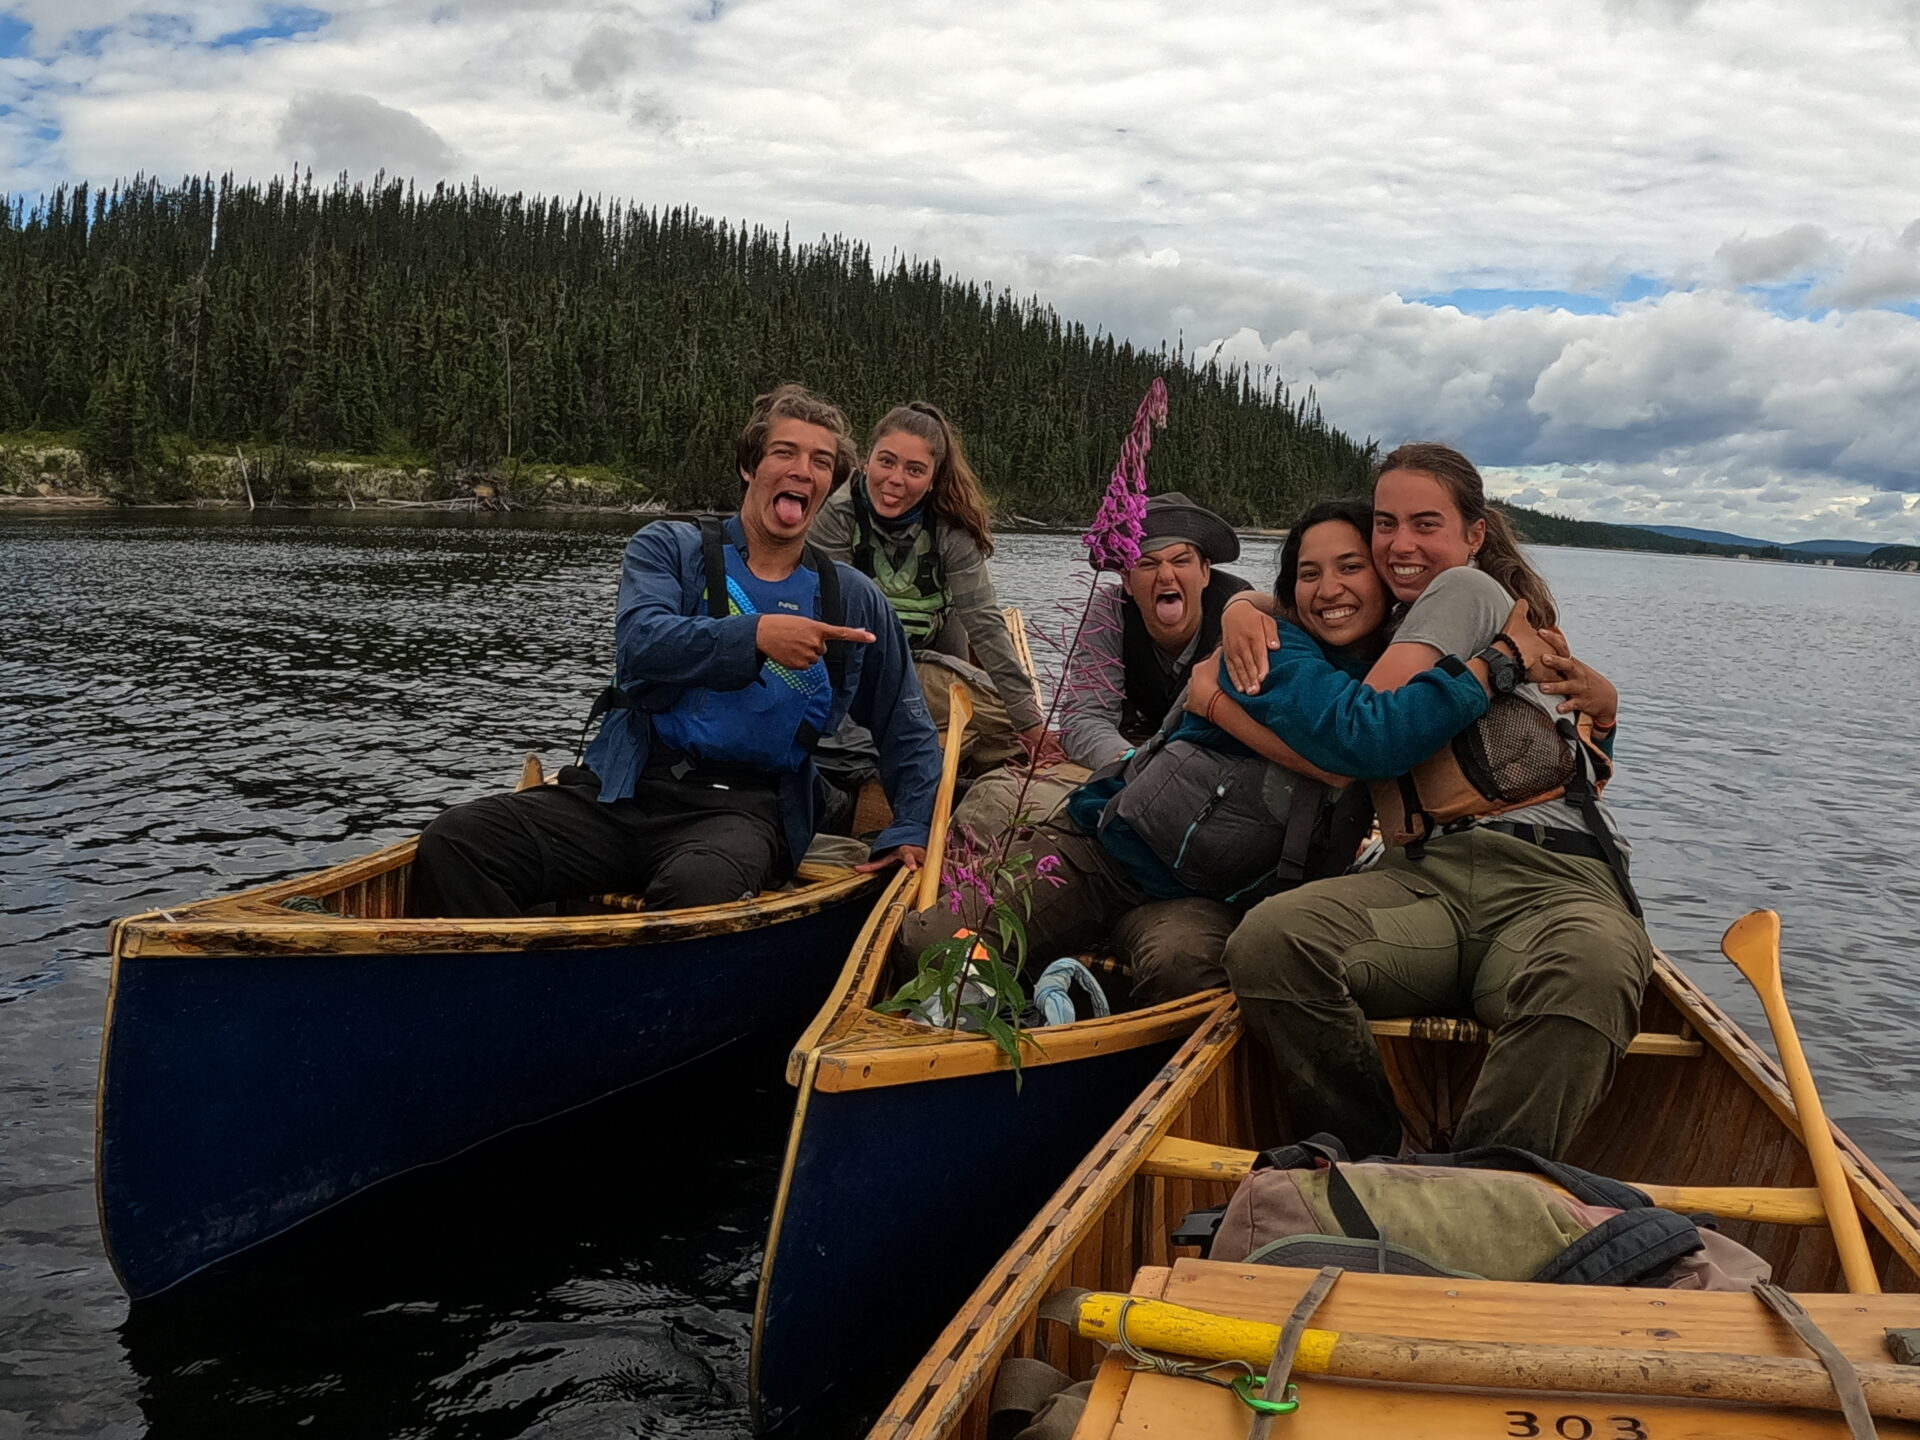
261, 1064
912, 1164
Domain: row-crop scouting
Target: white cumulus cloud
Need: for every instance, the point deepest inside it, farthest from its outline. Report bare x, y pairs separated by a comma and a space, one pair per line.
1275, 185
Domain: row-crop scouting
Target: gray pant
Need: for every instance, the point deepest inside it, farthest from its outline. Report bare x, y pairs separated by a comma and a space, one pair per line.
1538, 947
1172, 946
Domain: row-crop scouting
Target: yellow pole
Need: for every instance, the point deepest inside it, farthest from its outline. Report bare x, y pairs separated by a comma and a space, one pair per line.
1892, 1391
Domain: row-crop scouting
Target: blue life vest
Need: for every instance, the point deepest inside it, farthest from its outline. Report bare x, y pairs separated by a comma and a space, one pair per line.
774, 723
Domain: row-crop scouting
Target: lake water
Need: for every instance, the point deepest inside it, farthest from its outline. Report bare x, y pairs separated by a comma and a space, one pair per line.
190, 703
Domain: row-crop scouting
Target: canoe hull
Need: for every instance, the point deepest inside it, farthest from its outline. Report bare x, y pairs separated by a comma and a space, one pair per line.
241, 1095
898, 1198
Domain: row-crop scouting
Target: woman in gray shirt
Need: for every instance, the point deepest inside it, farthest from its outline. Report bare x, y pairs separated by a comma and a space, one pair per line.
1519, 920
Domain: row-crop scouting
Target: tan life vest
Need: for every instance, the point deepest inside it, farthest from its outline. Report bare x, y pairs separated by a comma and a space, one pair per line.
1516, 755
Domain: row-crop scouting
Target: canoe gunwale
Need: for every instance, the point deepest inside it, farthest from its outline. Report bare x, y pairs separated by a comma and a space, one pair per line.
252, 924
850, 1055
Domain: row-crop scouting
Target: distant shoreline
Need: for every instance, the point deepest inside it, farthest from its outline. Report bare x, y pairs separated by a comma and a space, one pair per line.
470, 505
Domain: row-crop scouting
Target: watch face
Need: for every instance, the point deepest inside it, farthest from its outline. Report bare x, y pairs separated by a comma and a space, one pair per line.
1503, 671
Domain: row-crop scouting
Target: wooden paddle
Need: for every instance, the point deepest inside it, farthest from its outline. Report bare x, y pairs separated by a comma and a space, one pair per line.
1891, 1390
1752, 943
959, 713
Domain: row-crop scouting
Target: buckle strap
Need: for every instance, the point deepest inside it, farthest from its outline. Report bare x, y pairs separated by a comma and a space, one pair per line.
1555, 838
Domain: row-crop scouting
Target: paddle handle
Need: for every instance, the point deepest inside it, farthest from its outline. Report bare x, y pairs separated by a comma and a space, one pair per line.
1892, 1390
1843, 1216
959, 713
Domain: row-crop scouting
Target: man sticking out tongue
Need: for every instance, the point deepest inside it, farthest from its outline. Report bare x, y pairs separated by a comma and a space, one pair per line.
738, 647
1141, 641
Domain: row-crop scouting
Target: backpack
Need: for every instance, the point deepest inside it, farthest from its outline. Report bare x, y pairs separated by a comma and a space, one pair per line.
1235, 828
1492, 1213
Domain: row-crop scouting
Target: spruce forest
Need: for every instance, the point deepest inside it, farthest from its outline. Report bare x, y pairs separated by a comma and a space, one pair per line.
482, 331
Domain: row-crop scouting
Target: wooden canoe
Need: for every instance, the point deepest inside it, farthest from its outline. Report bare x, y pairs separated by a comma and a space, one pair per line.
912, 1153
261, 1064
1695, 1103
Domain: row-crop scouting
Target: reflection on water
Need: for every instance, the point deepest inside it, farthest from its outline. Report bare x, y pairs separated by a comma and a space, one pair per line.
195, 702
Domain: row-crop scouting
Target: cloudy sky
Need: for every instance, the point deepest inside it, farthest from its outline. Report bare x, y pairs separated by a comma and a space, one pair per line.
1648, 260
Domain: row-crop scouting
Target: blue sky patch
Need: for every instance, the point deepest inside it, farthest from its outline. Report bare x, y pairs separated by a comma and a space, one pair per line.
1474, 301
282, 22
13, 35
1787, 299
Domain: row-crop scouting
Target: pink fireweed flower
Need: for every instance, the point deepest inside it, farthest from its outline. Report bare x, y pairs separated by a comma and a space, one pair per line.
1046, 868
1114, 541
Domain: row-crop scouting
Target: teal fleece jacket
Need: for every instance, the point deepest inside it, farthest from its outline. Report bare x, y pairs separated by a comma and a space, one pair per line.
1317, 701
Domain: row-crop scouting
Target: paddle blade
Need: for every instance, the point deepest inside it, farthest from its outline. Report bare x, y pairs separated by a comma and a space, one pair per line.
959, 715
1752, 943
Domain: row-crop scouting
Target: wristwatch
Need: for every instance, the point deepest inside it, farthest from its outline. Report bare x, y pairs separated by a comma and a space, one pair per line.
1504, 673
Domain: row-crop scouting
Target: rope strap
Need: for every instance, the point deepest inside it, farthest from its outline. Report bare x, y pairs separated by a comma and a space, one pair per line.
1281, 1365
1846, 1380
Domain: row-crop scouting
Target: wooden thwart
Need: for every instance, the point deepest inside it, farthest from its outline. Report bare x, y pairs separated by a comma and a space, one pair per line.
1472, 1032
1178, 1159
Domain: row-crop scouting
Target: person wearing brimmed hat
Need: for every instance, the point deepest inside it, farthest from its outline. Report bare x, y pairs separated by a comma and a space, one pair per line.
1136, 651
1143, 635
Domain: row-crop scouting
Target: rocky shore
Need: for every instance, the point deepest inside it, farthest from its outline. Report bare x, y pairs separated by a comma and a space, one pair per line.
55, 476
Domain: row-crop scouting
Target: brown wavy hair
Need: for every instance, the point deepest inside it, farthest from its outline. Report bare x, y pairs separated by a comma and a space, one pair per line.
1499, 553
793, 401
956, 492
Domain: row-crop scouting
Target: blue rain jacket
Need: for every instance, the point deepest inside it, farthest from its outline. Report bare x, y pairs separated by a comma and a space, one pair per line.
666, 642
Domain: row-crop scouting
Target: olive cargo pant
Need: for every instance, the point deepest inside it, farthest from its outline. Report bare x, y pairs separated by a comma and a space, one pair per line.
1172, 946
991, 740
999, 800
1538, 947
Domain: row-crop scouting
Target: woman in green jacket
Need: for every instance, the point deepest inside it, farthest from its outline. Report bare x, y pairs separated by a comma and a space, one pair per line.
915, 520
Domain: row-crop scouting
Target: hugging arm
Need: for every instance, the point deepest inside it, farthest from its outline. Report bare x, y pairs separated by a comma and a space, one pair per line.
1342, 726
1207, 699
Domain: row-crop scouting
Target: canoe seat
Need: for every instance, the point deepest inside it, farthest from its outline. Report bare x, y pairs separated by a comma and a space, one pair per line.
1472, 1032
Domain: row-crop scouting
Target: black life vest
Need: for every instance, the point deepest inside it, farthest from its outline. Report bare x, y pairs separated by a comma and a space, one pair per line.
1150, 687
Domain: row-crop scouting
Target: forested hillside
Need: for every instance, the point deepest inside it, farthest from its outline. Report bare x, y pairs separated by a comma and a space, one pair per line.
470, 328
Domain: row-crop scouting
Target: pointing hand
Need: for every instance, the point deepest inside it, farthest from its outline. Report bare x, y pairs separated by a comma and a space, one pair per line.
797, 642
